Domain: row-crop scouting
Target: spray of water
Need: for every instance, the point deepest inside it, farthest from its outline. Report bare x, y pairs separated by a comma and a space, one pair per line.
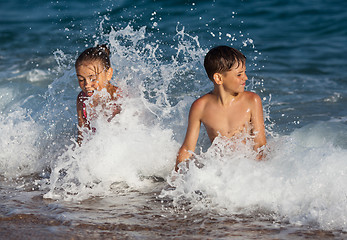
139, 142
301, 180
20, 145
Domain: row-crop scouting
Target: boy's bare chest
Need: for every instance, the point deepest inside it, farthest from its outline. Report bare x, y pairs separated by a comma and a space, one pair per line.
226, 121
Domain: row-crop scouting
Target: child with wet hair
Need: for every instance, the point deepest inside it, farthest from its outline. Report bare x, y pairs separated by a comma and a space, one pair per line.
228, 110
94, 72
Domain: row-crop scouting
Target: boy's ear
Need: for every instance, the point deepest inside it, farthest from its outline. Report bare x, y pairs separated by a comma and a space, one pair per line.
109, 74
217, 77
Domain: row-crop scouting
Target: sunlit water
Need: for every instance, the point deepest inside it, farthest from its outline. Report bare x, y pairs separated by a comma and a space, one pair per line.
120, 182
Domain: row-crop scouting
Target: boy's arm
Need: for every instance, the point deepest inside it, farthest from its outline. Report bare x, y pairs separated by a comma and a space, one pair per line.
257, 121
192, 134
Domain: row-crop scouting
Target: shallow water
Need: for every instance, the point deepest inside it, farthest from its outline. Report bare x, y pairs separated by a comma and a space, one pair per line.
120, 183
133, 214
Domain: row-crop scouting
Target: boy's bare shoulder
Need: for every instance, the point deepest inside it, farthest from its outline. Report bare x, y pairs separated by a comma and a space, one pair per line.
252, 99
251, 96
202, 101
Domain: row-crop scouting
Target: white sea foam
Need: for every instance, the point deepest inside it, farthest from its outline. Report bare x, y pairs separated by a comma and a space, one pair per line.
127, 149
20, 148
137, 143
303, 179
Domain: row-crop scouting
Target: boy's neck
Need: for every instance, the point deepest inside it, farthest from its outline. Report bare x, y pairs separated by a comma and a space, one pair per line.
225, 98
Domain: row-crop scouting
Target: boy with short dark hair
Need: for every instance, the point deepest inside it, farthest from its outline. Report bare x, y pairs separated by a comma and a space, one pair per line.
228, 110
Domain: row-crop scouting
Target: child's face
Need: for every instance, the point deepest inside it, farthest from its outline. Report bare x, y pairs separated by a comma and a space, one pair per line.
234, 80
92, 76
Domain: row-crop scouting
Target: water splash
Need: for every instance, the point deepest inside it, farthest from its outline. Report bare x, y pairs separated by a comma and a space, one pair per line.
139, 142
20, 145
302, 180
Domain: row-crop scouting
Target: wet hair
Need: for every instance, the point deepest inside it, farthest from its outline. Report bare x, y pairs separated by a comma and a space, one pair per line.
99, 53
221, 59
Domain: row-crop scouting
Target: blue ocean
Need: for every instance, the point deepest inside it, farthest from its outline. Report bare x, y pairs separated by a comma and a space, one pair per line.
120, 183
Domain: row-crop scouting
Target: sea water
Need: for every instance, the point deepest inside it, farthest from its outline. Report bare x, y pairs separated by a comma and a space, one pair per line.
120, 183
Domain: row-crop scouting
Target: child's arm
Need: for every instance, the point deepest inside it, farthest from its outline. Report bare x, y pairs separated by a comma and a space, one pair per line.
192, 134
257, 121
81, 119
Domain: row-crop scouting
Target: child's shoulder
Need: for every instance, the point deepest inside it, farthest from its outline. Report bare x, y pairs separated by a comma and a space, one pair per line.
251, 96
81, 96
252, 99
202, 101
204, 98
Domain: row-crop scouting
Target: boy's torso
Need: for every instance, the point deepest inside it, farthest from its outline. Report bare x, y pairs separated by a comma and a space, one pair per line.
229, 120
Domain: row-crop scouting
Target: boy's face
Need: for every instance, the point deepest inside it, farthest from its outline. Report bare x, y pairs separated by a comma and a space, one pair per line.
92, 76
234, 80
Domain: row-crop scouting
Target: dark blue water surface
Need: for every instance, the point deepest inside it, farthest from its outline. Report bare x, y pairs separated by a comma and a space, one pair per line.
302, 43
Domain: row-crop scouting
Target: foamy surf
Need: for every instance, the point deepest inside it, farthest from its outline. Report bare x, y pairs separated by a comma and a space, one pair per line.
302, 179
126, 149
20, 154
137, 144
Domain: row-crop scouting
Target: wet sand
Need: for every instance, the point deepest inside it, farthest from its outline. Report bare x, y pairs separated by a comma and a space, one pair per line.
134, 215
